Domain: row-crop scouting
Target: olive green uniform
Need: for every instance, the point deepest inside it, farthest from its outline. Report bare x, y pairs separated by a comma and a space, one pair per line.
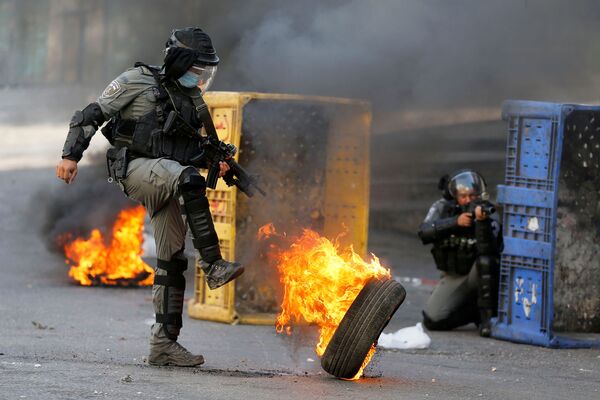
149, 181
154, 116
463, 255
454, 292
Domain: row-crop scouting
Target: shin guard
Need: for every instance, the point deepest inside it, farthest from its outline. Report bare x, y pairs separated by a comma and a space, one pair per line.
192, 188
168, 291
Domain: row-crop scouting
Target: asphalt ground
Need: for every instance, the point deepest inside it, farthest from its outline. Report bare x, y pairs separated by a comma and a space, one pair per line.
62, 341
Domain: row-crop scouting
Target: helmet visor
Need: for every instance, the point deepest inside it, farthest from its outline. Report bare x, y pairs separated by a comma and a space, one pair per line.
467, 182
206, 75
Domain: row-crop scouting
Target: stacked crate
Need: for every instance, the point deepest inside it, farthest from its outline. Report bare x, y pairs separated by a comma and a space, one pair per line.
540, 143
312, 155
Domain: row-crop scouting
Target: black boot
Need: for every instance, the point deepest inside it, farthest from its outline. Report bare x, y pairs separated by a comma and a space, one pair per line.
485, 325
221, 272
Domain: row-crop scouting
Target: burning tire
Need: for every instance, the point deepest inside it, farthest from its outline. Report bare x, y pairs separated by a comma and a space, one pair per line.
360, 328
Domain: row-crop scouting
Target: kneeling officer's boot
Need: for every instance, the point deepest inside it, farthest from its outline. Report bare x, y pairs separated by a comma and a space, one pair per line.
485, 325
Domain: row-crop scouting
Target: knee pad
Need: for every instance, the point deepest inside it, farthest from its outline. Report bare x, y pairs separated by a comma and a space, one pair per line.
191, 184
457, 318
431, 324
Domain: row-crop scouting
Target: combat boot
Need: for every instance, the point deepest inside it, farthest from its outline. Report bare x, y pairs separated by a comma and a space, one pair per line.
168, 297
485, 326
164, 351
220, 272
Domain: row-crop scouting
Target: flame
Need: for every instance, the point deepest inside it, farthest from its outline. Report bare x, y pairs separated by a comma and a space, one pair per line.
94, 263
320, 283
266, 231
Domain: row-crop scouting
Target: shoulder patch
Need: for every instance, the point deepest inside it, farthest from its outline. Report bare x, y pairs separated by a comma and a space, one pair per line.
112, 89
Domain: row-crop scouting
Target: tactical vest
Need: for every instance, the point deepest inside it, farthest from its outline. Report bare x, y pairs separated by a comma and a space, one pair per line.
457, 253
145, 137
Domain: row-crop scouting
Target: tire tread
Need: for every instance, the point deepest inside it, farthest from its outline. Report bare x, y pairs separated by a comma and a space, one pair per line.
361, 326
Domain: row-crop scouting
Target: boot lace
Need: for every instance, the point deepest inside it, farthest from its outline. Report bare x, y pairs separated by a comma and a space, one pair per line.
180, 349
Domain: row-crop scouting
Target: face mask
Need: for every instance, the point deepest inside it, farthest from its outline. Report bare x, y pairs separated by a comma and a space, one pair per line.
189, 80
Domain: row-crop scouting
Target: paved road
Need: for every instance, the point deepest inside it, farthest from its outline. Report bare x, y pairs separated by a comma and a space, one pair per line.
60, 341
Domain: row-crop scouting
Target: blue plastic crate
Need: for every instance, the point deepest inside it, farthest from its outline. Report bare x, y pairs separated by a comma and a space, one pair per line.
536, 133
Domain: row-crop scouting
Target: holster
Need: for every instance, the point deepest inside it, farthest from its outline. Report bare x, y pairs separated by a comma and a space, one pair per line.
116, 164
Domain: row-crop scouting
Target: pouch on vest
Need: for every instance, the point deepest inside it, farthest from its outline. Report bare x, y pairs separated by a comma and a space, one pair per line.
116, 163
440, 258
108, 131
465, 258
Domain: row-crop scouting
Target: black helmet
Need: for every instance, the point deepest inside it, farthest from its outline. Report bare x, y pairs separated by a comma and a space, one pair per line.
194, 39
467, 180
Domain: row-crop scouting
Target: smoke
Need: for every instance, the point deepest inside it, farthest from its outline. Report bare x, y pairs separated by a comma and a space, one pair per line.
419, 54
88, 203
400, 55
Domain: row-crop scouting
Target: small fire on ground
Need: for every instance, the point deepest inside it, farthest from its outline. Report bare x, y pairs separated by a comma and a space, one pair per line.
321, 281
93, 262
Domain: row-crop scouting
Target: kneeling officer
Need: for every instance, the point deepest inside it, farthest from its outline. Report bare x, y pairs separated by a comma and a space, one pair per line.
467, 242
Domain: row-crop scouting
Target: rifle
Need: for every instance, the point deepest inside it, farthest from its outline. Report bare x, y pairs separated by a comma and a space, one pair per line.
487, 208
213, 153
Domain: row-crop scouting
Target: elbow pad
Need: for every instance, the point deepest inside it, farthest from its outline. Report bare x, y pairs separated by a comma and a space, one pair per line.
434, 230
82, 127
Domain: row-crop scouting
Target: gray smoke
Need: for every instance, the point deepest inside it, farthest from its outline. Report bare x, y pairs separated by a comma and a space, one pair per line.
400, 55
427, 53
89, 203
411, 54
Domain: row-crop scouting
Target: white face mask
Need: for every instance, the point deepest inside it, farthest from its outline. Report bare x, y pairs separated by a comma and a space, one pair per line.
206, 75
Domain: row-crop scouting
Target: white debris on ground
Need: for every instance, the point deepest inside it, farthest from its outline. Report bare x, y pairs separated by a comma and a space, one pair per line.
415, 282
413, 337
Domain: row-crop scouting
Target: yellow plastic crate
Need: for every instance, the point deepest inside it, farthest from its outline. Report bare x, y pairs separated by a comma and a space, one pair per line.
313, 157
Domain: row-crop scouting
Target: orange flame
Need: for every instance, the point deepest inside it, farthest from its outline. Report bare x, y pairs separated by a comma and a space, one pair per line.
320, 283
266, 231
94, 263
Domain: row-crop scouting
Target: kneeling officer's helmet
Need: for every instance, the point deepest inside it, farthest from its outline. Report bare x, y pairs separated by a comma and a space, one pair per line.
467, 182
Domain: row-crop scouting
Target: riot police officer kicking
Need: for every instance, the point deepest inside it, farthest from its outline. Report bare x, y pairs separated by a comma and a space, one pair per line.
464, 231
158, 167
